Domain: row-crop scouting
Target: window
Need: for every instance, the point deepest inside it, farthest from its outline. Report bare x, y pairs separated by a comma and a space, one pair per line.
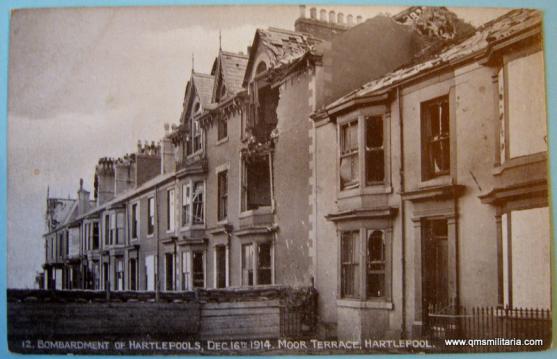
349, 159
119, 274
196, 136
113, 229
526, 258
376, 265
135, 220
151, 216
198, 269
256, 183
186, 271
522, 110
435, 138
169, 271
264, 264
220, 259
132, 264
186, 205
247, 264
170, 210
106, 230
95, 235
197, 217
375, 157
349, 250
222, 127
222, 195
119, 236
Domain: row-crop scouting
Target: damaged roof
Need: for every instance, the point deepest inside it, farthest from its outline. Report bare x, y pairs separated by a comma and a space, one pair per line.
204, 87
502, 28
283, 47
233, 67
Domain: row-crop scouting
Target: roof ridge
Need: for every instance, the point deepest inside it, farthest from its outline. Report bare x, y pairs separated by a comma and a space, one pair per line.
292, 32
202, 74
230, 53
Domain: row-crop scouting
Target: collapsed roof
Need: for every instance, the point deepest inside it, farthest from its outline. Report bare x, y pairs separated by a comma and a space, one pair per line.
508, 25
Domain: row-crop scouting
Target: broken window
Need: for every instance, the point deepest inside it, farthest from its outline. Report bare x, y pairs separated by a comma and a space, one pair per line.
349, 275
197, 216
256, 184
222, 195
375, 157
435, 138
349, 159
376, 265
263, 110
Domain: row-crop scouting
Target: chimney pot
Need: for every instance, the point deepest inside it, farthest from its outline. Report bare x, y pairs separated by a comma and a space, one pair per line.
313, 13
166, 128
332, 17
323, 15
358, 19
302, 11
350, 20
340, 18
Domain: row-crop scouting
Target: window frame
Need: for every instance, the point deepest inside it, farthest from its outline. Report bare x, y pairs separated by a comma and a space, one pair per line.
170, 209
135, 222
186, 207
150, 216
361, 293
361, 117
222, 195
429, 140
222, 128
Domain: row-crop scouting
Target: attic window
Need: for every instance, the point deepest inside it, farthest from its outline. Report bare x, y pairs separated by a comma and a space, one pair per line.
262, 67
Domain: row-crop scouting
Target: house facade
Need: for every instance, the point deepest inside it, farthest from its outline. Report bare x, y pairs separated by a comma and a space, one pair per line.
395, 184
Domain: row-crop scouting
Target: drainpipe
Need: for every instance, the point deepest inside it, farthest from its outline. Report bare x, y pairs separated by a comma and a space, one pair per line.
156, 230
403, 333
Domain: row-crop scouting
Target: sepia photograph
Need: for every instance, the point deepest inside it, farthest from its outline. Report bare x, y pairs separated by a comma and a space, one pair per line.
277, 180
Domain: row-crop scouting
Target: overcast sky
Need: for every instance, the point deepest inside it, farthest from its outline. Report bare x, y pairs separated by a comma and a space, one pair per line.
88, 83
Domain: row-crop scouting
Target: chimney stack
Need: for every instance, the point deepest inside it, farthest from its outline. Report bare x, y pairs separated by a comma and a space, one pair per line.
340, 18
350, 20
332, 17
82, 199
302, 11
313, 13
358, 19
323, 15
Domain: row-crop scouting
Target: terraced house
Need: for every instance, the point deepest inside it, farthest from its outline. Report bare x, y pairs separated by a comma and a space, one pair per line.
392, 163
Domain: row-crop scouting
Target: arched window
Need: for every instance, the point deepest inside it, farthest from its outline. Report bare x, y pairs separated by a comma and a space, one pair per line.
376, 265
261, 67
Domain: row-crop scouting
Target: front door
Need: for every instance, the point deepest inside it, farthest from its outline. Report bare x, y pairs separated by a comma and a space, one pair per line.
435, 265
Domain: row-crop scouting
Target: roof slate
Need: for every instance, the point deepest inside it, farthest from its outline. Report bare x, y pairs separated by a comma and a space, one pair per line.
204, 86
502, 28
233, 69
